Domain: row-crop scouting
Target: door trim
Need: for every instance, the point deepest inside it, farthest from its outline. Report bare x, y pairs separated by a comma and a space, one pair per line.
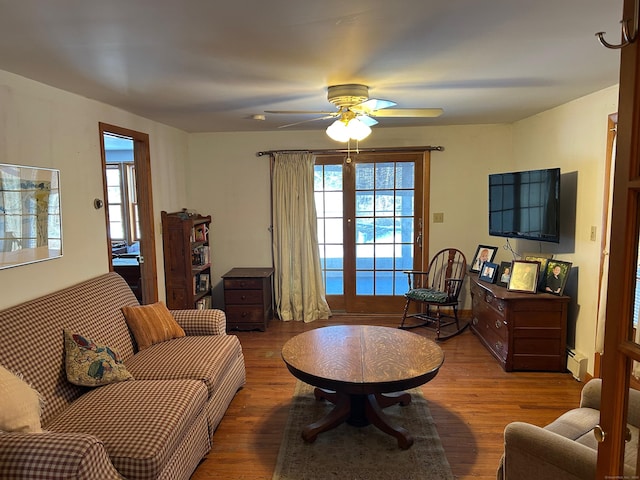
142, 162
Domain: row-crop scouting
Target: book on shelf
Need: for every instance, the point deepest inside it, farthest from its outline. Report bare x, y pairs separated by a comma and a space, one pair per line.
199, 233
200, 255
204, 303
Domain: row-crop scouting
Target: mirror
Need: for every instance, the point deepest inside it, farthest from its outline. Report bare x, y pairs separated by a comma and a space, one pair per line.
30, 222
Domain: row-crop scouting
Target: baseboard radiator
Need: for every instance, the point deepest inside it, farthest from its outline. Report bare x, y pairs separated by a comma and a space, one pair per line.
576, 364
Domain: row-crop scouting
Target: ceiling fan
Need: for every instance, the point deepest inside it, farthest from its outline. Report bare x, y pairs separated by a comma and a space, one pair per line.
356, 112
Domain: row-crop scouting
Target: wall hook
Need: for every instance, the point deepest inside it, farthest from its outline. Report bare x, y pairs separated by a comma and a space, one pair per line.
628, 37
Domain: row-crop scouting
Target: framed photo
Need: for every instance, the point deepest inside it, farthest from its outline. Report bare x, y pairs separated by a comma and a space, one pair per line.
524, 276
542, 258
489, 272
555, 277
504, 274
484, 253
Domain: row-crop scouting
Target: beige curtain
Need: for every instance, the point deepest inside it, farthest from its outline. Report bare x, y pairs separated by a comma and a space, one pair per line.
298, 286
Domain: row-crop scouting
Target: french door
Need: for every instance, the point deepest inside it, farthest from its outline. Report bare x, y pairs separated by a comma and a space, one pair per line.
621, 348
370, 227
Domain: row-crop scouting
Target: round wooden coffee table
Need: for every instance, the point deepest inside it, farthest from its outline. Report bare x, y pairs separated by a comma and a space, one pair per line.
354, 366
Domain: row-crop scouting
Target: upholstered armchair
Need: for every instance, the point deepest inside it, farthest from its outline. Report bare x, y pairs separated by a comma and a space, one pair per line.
566, 449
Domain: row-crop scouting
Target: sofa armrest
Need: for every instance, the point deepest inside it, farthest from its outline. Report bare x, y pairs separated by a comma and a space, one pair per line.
201, 322
54, 456
533, 453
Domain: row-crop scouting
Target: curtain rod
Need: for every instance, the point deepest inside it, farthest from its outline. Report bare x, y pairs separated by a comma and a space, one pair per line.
359, 150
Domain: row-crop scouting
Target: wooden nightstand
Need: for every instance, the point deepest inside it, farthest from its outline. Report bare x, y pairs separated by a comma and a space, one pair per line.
248, 298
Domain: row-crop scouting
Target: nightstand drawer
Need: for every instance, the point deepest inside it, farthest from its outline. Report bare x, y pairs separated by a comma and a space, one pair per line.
243, 283
244, 314
243, 297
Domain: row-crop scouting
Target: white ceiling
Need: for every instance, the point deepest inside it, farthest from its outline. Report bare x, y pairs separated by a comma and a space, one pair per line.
208, 66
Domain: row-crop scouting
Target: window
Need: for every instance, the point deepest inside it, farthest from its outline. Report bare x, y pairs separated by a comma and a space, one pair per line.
124, 220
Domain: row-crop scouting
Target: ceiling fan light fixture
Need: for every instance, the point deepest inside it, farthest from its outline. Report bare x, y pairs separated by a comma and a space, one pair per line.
343, 130
338, 131
358, 130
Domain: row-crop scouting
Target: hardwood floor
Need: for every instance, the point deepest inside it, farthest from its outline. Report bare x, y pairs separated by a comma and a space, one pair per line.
471, 401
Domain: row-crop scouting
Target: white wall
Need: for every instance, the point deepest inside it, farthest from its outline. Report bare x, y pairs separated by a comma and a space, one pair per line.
573, 137
46, 127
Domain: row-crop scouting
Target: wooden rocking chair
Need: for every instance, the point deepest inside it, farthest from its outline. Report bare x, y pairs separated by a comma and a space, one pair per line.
436, 292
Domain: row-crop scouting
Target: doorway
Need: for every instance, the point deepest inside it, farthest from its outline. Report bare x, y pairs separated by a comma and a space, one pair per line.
126, 168
370, 227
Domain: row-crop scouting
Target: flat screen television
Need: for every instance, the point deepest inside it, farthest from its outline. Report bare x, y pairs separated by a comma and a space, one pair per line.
525, 205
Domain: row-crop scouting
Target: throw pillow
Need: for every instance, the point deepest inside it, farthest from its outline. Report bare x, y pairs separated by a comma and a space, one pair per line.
151, 324
89, 364
20, 404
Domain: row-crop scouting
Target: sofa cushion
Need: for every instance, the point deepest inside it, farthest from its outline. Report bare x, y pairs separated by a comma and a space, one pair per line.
141, 423
20, 404
151, 324
90, 364
207, 358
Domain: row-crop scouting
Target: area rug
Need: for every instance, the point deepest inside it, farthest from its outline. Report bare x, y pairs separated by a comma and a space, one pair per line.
360, 453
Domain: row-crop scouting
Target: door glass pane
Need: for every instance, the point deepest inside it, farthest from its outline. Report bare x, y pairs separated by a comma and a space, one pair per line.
384, 216
384, 175
329, 210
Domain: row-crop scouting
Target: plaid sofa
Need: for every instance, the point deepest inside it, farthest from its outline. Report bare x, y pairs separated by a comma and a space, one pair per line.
158, 426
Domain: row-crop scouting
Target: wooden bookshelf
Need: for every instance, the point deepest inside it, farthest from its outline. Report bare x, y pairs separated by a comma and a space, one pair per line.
187, 260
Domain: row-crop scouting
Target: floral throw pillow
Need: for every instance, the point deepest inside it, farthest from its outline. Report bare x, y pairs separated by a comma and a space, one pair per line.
90, 365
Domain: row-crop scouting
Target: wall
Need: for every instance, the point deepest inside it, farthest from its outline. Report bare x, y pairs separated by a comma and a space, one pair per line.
46, 127
573, 137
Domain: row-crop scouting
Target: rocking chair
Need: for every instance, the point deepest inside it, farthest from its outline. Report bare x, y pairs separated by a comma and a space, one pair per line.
436, 292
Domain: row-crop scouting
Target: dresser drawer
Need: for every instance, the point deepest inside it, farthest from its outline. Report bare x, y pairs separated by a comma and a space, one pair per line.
243, 297
243, 283
496, 340
484, 322
244, 314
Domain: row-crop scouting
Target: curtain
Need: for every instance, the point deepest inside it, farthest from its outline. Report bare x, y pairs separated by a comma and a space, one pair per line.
604, 281
299, 291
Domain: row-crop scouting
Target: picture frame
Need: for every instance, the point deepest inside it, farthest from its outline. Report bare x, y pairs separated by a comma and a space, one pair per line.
30, 215
524, 276
484, 253
542, 258
489, 272
555, 276
504, 273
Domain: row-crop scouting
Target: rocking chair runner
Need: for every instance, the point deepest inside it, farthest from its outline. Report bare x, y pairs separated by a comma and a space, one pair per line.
436, 290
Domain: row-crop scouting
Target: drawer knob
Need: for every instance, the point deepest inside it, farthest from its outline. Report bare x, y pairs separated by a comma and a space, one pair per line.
474, 321
243, 297
498, 345
498, 323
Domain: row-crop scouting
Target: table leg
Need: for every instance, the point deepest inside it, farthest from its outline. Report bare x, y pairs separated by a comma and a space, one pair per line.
377, 417
334, 418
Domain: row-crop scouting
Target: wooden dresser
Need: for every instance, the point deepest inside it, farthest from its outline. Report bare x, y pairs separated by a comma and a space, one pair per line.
248, 298
523, 331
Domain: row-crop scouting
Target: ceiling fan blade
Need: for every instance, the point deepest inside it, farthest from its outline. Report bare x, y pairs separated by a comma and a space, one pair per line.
367, 120
307, 121
301, 112
408, 112
371, 105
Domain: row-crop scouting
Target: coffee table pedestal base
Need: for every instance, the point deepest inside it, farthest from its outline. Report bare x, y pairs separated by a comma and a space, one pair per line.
359, 411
